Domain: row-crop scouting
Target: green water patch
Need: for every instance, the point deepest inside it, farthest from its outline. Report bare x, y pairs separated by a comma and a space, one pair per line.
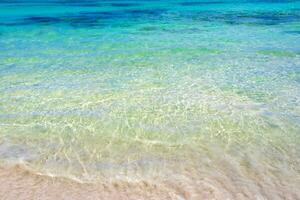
181, 51
279, 53
258, 96
294, 76
150, 28
263, 79
145, 58
15, 60
196, 51
292, 25
78, 72
276, 77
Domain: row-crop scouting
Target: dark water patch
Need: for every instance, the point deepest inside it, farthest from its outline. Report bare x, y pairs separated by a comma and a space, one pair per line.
88, 19
102, 15
149, 28
293, 32
83, 22
146, 12
75, 3
85, 4
201, 3
37, 20
91, 3
31, 20
262, 18
184, 31
272, 1
245, 18
91, 19
172, 30
124, 4
79, 3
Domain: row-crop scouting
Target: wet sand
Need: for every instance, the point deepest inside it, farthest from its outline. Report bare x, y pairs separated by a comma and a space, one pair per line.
18, 183
21, 184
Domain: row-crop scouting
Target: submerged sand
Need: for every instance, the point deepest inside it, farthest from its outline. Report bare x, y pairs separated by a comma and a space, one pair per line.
19, 183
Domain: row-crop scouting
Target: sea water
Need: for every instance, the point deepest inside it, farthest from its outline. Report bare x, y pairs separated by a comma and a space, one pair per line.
202, 96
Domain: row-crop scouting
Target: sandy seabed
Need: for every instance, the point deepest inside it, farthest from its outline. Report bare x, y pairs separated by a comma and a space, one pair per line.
18, 183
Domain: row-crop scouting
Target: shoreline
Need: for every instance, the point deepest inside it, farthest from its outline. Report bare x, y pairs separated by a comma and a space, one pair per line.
18, 183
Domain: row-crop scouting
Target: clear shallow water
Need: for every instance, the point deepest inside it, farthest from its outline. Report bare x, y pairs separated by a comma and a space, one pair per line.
203, 96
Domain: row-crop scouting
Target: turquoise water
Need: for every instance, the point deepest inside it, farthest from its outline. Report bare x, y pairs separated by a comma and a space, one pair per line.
205, 94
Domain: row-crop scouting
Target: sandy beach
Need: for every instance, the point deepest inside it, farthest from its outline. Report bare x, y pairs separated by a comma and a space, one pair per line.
21, 184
